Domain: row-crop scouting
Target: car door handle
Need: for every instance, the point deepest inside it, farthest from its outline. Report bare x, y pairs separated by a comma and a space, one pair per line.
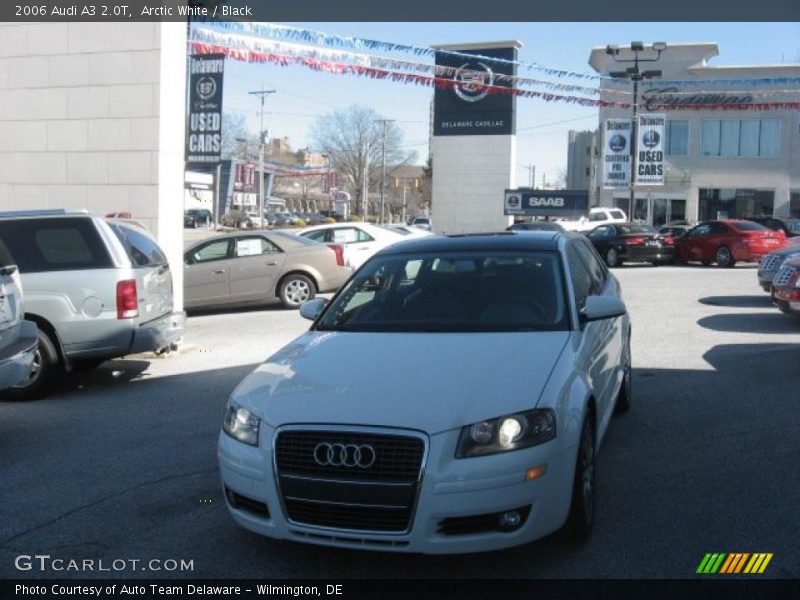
271, 263
219, 271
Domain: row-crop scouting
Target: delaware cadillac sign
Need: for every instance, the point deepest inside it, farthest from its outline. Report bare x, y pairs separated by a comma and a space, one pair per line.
472, 102
204, 129
669, 99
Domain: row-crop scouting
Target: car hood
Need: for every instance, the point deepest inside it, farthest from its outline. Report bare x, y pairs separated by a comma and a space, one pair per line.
427, 381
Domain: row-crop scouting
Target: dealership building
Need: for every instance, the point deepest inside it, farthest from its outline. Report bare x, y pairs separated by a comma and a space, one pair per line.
719, 162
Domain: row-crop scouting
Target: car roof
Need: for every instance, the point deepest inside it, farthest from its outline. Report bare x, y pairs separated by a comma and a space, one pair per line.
505, 240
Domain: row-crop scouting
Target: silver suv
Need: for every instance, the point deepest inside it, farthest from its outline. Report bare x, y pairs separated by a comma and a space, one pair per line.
17, 336
96, 288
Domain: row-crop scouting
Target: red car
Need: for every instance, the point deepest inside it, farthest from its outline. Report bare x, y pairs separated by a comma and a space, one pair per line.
726, 242
786, 287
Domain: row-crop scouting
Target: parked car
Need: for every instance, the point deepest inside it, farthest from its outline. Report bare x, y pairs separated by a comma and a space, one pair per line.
96, 288
323, 444
407, 230
245, 268
772, 263
630, 243
788, 225
422, 223
727, 242
536, 226
786, 287
360, 240
197, 217
599, 215
18, 336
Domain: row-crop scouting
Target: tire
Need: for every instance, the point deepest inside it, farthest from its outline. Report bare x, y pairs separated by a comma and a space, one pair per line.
45, 366
581, 512
612, 258
625, 396
295, 289
724, 257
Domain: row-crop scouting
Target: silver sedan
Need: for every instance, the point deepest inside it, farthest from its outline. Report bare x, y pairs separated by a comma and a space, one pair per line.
258, 267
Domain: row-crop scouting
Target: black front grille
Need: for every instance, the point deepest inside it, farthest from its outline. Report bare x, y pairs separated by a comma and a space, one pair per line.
377, 498
397, 458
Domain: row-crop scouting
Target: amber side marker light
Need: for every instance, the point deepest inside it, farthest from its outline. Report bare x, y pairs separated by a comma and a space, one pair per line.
535, 473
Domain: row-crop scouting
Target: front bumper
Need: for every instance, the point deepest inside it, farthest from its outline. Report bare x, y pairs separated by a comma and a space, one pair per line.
16, 360
765, 279
159, 334
787, 300
449, 488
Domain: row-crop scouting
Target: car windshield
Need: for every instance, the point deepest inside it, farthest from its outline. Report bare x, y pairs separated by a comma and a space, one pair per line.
617, 214
421, 221
452, 292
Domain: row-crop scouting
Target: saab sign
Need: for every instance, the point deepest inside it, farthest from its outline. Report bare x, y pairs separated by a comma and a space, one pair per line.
546, 203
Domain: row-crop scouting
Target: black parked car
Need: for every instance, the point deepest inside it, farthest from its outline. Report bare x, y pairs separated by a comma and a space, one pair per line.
197, 217
788, 225
633, 243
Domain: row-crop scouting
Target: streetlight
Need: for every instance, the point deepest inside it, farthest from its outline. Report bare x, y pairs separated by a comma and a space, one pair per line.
636, 75
326, 184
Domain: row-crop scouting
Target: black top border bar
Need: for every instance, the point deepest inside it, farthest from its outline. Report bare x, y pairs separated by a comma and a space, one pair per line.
601, 11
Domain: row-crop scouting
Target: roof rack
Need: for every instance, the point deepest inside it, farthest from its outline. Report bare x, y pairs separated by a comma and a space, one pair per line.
48, 212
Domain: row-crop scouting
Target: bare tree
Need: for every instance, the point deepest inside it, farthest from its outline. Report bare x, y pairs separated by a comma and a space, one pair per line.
233, 130
354, 136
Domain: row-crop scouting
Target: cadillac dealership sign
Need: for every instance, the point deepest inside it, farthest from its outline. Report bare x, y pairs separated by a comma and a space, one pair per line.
468, 106
669, 99
204, 129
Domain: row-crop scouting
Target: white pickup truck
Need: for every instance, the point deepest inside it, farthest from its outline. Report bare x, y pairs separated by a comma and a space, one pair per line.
600, 215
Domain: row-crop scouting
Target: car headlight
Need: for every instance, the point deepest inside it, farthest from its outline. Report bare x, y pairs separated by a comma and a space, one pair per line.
511, 432
241, 424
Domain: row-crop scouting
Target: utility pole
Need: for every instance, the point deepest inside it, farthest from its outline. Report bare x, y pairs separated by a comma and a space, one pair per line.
531, 175
404, 204
262, 93
383, 123
365, 189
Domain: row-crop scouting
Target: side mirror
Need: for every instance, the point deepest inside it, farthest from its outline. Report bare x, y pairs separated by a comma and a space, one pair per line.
602, 307
311, 310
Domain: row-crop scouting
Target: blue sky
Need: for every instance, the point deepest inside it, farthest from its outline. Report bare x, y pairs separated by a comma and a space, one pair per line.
542, 127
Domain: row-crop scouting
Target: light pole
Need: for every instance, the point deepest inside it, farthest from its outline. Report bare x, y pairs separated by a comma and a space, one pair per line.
326, 183
262, 93
383, 122
636, 75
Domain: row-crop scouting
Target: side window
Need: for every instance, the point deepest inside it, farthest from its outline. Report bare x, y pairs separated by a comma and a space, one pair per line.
363, 236
344, 235
600, 232
254, 246
596, 267
58, 244
581, 280
700, 230
317, 236
141, 248
718, 228
213, 251
597, 216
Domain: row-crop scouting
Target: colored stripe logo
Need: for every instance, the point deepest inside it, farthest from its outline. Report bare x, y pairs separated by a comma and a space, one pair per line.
732, 563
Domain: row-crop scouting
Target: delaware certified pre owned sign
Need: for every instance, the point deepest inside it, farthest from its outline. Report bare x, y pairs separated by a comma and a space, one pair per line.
546, 203
470, 103
204, 129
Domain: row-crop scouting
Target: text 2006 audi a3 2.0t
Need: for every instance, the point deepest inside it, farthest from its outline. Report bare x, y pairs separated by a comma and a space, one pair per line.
450, 398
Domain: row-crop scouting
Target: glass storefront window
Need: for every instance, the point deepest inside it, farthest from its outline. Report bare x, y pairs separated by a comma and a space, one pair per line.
735, 203
677, 138
794, 204
624, 204
746, 138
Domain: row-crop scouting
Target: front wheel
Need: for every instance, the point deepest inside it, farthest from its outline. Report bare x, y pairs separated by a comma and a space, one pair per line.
581, 512
295, 289
724, 257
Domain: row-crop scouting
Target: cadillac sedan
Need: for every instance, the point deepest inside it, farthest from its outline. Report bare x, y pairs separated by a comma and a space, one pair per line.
519, 345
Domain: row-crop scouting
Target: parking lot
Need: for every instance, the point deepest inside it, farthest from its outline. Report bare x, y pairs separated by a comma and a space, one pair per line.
120, 463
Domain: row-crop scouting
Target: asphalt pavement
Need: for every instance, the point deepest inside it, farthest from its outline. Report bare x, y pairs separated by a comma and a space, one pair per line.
119, 464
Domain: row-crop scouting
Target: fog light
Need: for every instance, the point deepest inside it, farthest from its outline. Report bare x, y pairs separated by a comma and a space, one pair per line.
511, 520
535, 473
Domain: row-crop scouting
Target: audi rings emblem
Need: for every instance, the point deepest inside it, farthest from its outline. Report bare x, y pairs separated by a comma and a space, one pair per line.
344, 455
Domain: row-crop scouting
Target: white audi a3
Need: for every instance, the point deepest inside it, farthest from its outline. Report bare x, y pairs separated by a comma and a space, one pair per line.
450, 398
